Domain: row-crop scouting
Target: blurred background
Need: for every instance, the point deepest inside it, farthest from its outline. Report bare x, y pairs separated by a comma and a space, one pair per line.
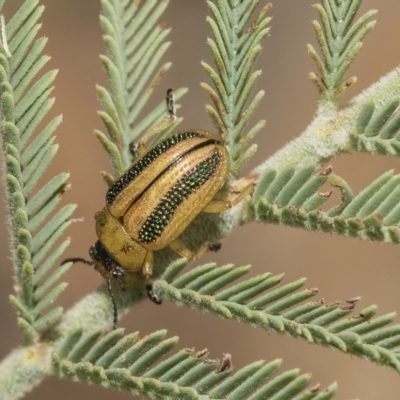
341, 268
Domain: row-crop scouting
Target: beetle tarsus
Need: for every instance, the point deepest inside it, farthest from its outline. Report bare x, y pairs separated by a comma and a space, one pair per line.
215, 246
170, 102
117, 273
152, 296
134, 150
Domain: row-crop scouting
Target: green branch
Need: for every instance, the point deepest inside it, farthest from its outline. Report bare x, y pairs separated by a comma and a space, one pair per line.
340, 42
284, 310
133, 365
133, 56
36, 219
235, 48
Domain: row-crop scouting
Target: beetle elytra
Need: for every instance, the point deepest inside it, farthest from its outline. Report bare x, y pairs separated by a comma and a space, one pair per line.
151, 204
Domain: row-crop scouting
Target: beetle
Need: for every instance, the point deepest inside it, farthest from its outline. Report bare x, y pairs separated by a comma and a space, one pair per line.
152, 203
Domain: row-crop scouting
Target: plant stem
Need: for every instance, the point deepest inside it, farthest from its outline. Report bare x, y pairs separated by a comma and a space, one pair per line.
23, 369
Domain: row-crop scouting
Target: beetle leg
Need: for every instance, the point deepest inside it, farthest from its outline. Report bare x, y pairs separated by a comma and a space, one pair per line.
178, 247
152, 296
217, 206
134, 150
114, 303
140, 149
147, 266
214, 246
108, 178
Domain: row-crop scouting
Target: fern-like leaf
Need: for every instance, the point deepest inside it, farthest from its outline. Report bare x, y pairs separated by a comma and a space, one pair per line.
133, 365
135, 42
340, 41
235, 48
294, 197
28, 150
285, 309
378, 130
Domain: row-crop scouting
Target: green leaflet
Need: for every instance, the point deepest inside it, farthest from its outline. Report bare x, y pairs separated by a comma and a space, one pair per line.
135, 43
340, 40
295, 197
136, 367
378, 129
285, 309
235, 47
28, 155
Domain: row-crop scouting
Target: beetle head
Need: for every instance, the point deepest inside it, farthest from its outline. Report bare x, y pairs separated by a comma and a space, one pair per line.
104, 263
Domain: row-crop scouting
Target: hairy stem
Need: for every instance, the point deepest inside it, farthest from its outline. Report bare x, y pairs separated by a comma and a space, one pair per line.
23, 369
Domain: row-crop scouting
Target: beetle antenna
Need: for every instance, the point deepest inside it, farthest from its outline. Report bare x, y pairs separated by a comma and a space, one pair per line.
115, 324
77, 259
170, 102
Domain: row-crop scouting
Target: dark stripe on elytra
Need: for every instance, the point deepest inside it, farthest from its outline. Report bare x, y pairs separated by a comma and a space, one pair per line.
163, 212
151, 156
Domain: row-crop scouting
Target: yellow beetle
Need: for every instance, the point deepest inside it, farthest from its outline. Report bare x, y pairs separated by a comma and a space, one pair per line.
154, 201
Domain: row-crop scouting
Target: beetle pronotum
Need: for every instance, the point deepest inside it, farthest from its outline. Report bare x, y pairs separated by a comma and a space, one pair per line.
150, 205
